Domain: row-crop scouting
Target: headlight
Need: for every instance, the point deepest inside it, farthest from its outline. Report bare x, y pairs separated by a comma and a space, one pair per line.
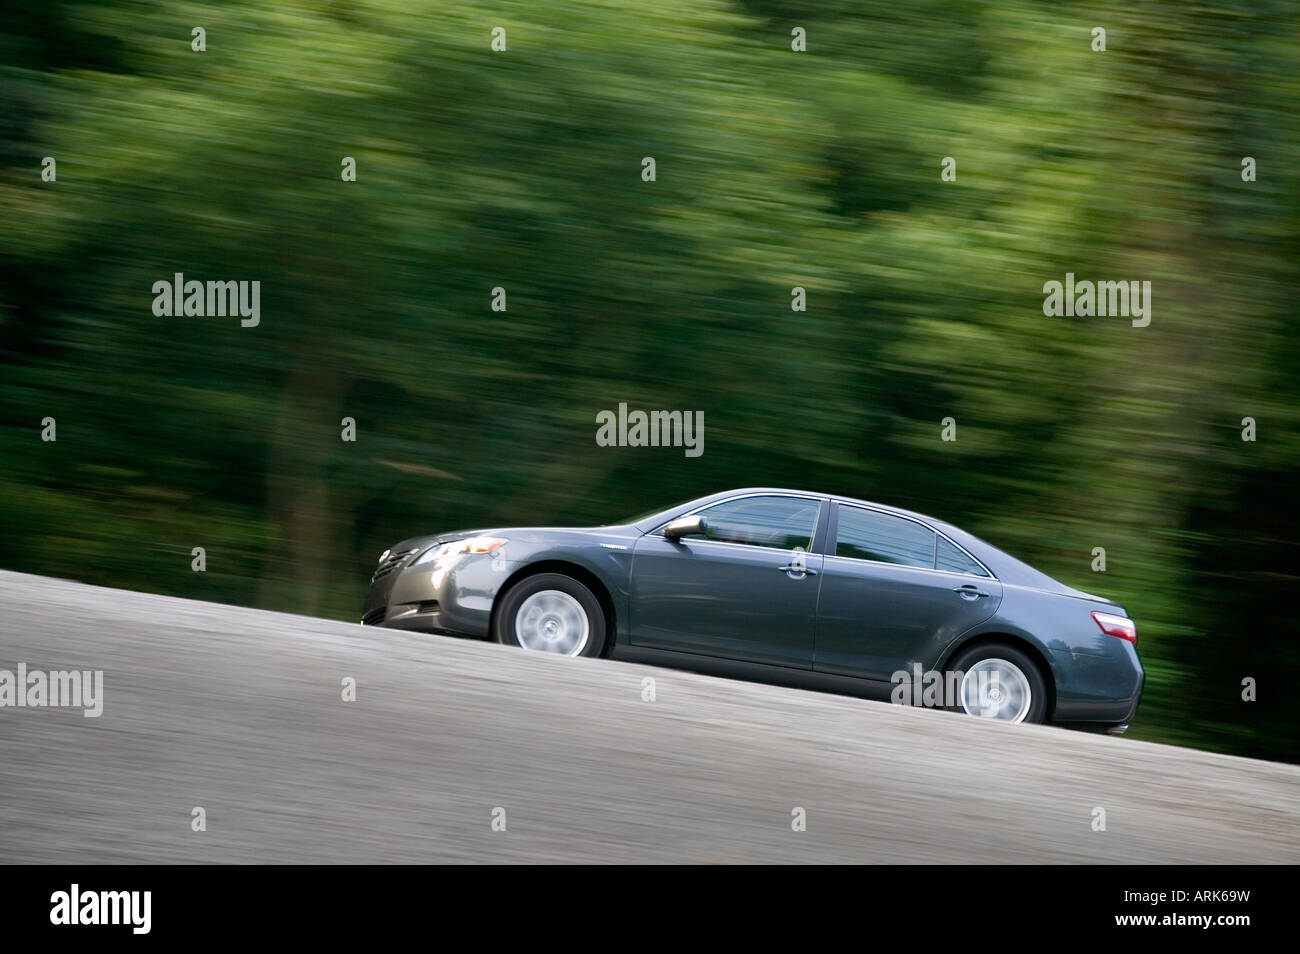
458, 548
384, 556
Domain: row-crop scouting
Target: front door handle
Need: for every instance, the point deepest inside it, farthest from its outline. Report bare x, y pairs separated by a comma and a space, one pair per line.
969, 592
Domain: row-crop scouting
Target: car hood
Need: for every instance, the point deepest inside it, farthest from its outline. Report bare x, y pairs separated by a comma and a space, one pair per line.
517, 533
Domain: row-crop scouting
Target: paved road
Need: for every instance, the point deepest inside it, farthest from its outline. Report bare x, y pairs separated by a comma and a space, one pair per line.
239, 711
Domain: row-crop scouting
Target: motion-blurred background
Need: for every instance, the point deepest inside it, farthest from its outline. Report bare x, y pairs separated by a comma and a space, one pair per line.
522, 169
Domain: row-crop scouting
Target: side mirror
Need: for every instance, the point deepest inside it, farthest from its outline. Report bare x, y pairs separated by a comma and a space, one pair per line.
686, 526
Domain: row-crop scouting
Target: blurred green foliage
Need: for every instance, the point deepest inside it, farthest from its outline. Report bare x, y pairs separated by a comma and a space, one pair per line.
522, 169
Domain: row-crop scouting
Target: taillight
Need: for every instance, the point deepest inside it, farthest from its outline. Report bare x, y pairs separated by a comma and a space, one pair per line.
1120, 626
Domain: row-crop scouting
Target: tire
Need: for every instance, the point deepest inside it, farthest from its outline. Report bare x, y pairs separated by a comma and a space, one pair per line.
550, 612
1007, 674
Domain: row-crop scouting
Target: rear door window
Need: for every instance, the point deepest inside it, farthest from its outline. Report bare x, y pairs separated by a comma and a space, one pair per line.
954, 559
884, 538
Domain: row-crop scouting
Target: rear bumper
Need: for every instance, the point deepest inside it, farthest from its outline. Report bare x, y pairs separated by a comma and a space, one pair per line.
1099, 687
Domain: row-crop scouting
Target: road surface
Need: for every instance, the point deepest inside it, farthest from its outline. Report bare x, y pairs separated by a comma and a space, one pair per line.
240, 712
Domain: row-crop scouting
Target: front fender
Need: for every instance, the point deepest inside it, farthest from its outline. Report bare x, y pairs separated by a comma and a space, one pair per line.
606, 559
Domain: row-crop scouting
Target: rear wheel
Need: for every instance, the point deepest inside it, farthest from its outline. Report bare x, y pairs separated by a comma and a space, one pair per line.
551, 613
999, 682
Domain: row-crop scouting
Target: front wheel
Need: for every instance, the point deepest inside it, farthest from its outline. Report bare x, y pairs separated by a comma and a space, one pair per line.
999, 682
551, 613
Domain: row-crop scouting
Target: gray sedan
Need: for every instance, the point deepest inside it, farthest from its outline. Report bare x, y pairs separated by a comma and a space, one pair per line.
789, 587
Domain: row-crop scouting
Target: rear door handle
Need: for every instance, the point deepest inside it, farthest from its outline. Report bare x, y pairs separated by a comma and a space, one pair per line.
969, 592
793, 568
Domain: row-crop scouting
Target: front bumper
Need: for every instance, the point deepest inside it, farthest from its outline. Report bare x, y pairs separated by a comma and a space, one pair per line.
455, 598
